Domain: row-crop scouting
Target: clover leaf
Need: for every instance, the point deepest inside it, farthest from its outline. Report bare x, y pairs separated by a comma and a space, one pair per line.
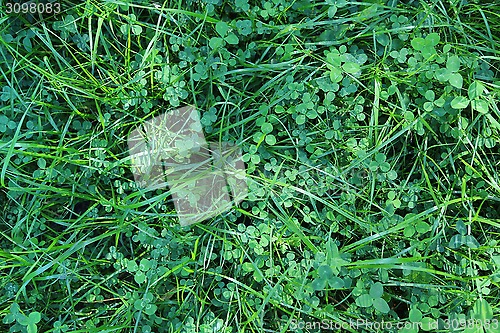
376, 290
59, 327
6, 124
216, 42
351, 67
326, 277
480, 105
222, 28
453, 63
242, 5
456, 80
381, 305
6, 94
30, 321
476, 90
374, 298
146, 304
482, 310
66, 27
426, 45
459, 102
244, 27
271, 139
364, 301
132, 27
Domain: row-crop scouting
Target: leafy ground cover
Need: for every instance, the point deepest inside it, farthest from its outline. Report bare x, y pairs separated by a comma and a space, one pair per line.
370, 133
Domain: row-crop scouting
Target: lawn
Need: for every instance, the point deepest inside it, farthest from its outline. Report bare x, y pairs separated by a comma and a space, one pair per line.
369, 132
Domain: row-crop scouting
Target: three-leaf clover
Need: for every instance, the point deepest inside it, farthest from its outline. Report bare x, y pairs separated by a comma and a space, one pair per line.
454, 77
139, 270
66, 26
30, 321
326, 277
476, 96
6, 123
131, 27
426, 45
146, 304
226, 35
374, 298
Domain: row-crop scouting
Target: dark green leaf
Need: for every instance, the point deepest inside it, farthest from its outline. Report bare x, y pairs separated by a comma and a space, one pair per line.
475, 90
460, 102
351, 67
456, 80
381, 305
222, 28
376, 290
364, 301
453, 63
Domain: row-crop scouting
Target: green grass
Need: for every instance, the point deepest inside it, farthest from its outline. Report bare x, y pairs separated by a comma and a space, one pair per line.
370, 134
